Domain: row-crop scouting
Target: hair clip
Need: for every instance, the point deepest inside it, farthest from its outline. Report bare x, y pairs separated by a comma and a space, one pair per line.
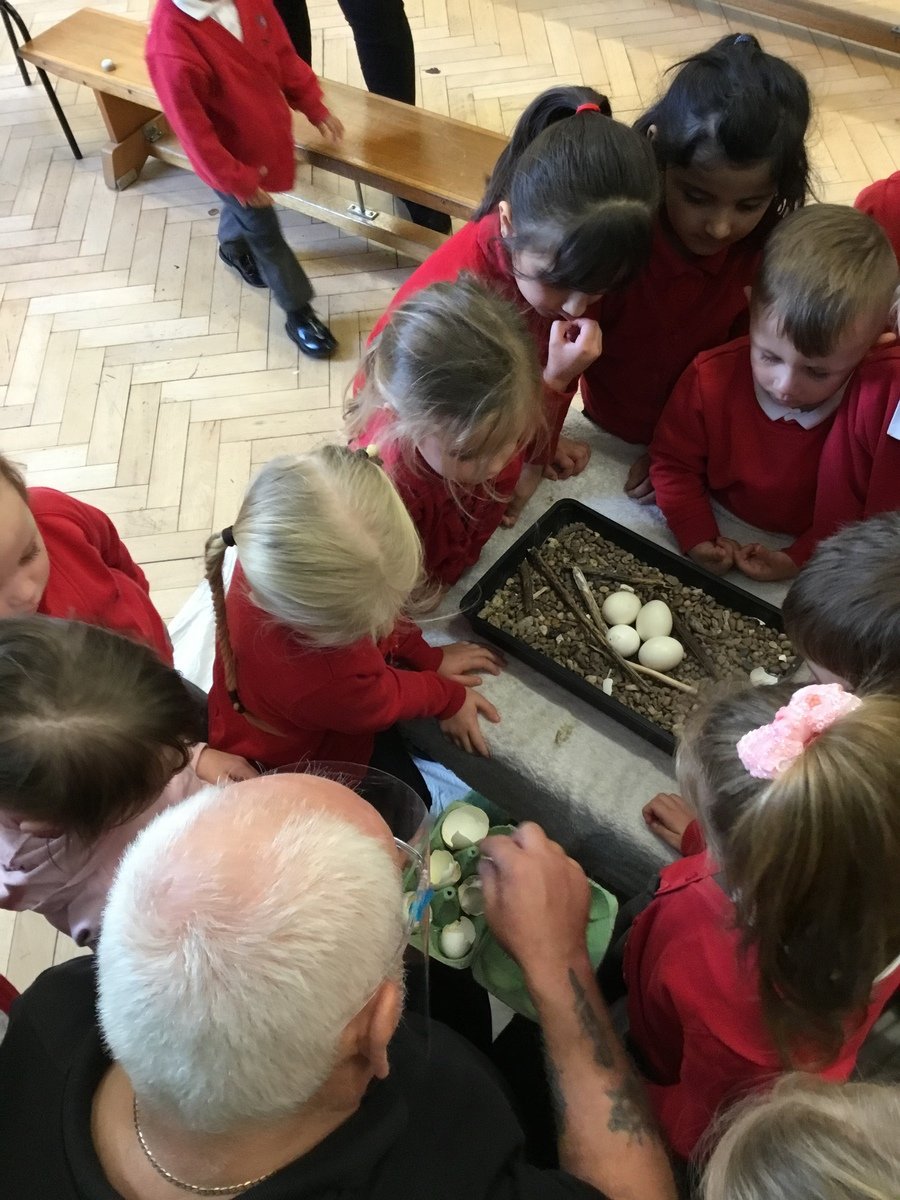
370, 452
767, 752
227, 535
587, 108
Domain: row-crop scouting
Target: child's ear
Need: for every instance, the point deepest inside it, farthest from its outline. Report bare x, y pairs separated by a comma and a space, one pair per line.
887, 338
505, 219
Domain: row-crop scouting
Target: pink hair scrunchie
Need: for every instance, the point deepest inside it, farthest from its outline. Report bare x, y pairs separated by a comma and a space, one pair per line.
768, 751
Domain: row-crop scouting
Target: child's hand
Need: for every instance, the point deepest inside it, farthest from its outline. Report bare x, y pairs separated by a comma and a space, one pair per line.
570, 459
259, 199
461, 659
637, 482
573, 346
331, 129
717, 557
215, 766
668, 816
525, 489
463, 729
764, 565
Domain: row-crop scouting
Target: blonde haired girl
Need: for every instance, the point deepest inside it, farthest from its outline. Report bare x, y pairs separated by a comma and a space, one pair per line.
312, 624
450, 395
779, 948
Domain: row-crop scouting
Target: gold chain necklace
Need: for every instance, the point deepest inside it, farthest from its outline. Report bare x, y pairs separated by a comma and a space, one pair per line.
191, 1187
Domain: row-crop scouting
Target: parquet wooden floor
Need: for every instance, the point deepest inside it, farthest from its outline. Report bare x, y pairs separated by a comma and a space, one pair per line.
137, 372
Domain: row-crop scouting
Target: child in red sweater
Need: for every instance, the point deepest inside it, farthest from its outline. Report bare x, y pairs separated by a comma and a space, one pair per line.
63, 558
747, 422
778, 949
881, 200
450, 396
729, 140
308, 635
227, 76
566, 217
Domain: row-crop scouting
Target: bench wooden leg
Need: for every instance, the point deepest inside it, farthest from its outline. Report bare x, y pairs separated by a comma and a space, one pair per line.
126, 152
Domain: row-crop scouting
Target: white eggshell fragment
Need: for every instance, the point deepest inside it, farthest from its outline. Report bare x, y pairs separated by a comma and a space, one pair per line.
444, 868
661, 653
457, 938
760, 677
471, 896
654, 620
620, 608
107, 64
625, 639
464, 826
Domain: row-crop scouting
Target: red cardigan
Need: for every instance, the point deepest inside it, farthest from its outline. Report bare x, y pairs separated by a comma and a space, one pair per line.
693, 1005
326, 704
478, 248
93, 578
228, 100
859, 473
881, 200
713, 439
678, 306
453, 529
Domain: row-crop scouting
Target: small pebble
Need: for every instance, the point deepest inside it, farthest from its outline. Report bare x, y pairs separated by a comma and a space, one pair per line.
107, 64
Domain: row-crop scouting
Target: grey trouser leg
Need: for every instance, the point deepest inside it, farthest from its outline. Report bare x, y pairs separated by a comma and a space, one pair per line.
259, 231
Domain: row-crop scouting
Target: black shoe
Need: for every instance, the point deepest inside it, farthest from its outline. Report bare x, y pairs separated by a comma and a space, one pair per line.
246, 267
428, 218
310, 334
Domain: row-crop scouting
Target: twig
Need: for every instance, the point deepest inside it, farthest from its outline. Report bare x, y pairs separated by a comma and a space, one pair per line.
527, 580
632, 580
588, 596
693, 644
675, 683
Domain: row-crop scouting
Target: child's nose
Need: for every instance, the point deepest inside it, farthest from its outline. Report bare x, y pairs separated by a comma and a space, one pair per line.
576, 304
719, 226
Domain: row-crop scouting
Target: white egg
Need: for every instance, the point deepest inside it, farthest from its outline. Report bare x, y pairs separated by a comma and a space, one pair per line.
654, 620
661, 653
464, 826
625, 639
444, 869
107, 64
457, 938
760, 677
471, 896
620, 608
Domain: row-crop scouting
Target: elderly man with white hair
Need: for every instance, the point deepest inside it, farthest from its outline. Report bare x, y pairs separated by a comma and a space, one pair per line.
248, 1036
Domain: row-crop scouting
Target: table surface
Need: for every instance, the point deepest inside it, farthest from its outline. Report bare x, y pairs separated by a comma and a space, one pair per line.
555, 759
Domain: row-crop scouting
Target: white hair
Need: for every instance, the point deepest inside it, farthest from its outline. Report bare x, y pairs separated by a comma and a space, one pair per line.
229, 967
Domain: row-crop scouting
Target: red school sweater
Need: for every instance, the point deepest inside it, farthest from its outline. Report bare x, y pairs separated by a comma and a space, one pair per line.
478, 248
228, 100
453, 529
325, 704
881, 200
713, 439
859, 472
93, 578
694, 1009
678, 306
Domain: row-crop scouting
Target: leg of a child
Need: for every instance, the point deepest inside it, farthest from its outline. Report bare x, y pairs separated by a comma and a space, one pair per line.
295, 16
258, 230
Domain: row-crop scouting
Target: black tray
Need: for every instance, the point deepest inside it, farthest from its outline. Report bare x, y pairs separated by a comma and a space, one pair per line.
569, 512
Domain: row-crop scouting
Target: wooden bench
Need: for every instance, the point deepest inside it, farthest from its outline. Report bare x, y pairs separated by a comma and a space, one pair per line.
416, 155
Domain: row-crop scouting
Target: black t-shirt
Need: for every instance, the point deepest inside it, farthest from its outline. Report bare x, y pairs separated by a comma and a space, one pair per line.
438, 1128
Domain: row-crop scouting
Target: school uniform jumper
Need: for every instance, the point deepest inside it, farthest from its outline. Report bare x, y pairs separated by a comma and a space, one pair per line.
859, 472
694, 1011
881, 200
478, 248
713, 439
680, 305
227, 98
325, 703
92, 577
68, 881
453, 528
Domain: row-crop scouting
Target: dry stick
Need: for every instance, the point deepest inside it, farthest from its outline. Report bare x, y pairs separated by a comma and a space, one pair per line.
527, 580
562, 592
693, 644
675, 683
634, 580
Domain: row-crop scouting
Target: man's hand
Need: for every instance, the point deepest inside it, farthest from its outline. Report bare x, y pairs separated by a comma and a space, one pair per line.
462, 661
637, 482
717, 557
331, 129
570, 459
525, 489
668, 816
573, 346
463, 728
215, 766
764, 565
536, 900
259, 199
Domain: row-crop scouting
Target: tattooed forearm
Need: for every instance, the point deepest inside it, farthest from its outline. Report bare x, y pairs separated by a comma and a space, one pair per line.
587, 1019
557, 1095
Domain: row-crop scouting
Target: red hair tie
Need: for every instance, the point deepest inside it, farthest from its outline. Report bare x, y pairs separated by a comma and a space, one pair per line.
587, 108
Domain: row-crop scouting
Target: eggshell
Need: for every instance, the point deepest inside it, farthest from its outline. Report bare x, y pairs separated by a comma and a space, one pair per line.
458, 938
654, 620
625, 639
107, 64
464, 826
620, 608
760, 677
471, 896
444, 868
661, 653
